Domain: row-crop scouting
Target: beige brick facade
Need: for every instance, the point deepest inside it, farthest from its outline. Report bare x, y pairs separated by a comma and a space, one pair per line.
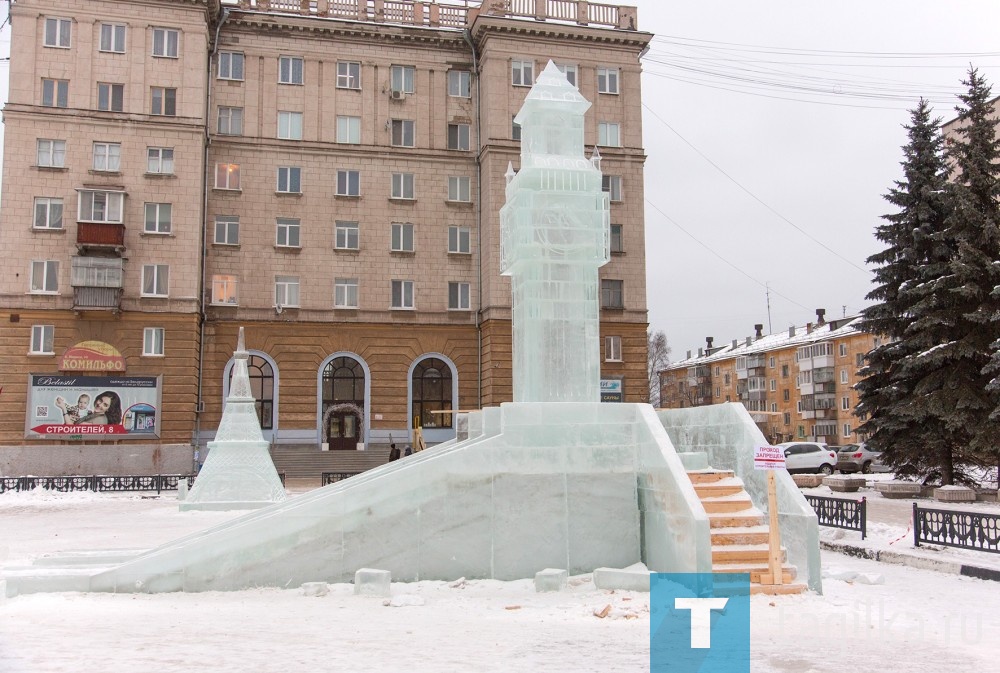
298, 105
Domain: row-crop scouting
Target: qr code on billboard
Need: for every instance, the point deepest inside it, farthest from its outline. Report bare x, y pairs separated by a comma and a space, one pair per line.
42, 411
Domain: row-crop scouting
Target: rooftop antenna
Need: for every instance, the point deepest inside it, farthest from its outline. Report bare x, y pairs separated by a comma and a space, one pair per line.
844, 309
767, 291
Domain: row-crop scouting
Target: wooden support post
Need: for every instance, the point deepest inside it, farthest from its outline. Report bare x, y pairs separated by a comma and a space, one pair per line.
775, 576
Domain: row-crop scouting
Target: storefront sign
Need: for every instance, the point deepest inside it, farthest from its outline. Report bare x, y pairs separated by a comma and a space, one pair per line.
611, 390
87, 407
92, 356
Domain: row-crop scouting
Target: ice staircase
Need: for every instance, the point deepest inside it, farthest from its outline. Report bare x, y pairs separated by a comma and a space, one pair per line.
738, 531
306, 461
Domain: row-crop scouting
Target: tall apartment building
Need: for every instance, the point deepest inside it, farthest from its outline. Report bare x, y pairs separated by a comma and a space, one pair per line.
326, 174
797, 384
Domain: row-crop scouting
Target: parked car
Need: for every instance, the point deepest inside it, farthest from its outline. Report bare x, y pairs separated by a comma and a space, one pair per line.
857, 458
809, 457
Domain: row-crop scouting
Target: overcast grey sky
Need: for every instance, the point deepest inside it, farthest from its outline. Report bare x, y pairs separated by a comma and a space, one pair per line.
726, 82
727, 78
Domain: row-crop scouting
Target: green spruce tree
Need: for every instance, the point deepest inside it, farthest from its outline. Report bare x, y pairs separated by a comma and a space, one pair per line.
913, 252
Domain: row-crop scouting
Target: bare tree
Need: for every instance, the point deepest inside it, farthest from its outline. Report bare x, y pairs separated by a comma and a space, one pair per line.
658, 357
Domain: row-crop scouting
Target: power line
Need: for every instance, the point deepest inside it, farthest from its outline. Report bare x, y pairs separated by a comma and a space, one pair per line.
752, 195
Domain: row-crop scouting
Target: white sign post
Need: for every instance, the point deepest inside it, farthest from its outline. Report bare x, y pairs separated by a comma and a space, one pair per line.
771, 458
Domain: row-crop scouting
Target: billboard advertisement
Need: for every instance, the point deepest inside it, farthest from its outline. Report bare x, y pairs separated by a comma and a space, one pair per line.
62, 406
611, 390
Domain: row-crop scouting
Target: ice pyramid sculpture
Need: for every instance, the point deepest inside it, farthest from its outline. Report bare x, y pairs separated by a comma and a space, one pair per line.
238, 472
555, 479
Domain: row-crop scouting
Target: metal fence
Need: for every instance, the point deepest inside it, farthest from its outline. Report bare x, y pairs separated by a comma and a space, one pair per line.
953, 528
334, 477
154, 482
841, 513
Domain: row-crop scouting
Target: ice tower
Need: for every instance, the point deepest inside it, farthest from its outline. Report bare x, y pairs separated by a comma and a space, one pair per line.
555, 479
238, 471
555, 236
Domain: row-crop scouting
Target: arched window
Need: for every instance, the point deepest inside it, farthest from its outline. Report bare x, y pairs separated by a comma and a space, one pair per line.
432, 392
343, 381
262, 386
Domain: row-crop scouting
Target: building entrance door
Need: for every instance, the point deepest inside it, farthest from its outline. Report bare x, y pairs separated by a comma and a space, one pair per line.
342, 431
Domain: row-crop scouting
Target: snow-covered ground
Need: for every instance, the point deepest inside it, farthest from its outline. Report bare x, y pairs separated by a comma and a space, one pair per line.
915, 621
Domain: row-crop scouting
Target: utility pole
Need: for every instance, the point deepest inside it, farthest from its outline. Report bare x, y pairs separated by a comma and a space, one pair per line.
767, 292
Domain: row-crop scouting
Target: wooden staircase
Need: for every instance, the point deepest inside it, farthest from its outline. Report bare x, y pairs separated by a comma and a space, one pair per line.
307, 461
739, 532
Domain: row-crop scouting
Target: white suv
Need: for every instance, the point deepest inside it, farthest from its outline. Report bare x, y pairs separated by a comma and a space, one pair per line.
809, 457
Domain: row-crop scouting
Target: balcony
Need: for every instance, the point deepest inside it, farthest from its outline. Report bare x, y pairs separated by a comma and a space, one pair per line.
97, 283
98, 235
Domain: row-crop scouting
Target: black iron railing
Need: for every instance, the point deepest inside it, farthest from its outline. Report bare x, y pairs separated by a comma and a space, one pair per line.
953, 528
841, 513
334, 477
154, 482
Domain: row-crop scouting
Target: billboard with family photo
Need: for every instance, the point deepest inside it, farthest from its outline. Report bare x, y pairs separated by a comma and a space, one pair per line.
64, 406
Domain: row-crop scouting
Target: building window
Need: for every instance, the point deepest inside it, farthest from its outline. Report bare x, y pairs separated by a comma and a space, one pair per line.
784, 371
110, 97
348, 183
847, 429
55, 92
515, 130
458, 296
345, 293
401, 78
798, 406
616, 239
460, 83
230, 121
845, 403
843, 376
287, 233
522, 73
290, 125
613, 349
107, 157
458, 137
227, 176
113, 38
347, 236
165, 42
402, 294
402, 186
571, 73
770, 362
459, 188
100, 207
349, 130
402, 237
609, 134
843, 350
717, 371
725, 378
231, 65
51, 153
607, 80
57, 32
227, 230
155, 280
459, 240
774, 407
432, 391
48, 213
774, 385
787, 418
612, 294
718, 391
404, 133
45, 276
290, 70
42, 337
785, 395
163, 101
157, 218
859, 360
286, 291
612, 184
160, 160
802, 431
152, 341
224, 290
289, 180
348, 75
